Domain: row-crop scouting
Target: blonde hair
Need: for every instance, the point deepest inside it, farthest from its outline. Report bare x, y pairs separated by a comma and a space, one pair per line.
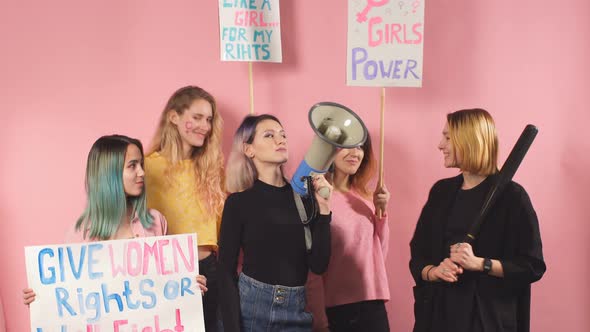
241, 171
207, 159
474, 139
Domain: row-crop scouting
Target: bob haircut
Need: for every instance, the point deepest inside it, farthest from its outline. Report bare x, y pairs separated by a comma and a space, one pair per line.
106, 204
474, 139
241, 171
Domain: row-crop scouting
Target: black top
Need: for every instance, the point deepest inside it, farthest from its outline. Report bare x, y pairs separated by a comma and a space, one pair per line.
465, 209
510, 234
264, 222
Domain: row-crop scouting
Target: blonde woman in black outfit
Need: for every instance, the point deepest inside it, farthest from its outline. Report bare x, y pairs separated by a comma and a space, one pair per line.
484, 286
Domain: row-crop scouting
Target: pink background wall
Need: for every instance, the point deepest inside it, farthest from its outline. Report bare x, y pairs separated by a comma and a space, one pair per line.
73, 70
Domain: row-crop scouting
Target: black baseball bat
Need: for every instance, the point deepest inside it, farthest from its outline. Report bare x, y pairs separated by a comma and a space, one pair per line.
504, 177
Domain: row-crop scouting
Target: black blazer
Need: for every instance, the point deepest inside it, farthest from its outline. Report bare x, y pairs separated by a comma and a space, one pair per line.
509, 234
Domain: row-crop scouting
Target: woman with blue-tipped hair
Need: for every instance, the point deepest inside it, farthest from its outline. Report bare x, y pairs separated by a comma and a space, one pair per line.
112, 213
116, 203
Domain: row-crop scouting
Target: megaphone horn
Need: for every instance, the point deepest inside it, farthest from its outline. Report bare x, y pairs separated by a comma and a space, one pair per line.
336, 126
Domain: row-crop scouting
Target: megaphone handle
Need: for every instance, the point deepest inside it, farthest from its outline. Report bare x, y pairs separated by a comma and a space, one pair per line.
324, 192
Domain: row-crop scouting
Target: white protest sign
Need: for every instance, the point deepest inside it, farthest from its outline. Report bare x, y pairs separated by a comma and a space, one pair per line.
250, 30
385, 43
136, 285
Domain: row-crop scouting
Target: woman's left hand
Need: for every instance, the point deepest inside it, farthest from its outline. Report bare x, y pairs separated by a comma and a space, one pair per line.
380, 199
320, 183
202, 282
462, 254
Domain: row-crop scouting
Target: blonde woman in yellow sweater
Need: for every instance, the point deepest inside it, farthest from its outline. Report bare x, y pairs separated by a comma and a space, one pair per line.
184, 179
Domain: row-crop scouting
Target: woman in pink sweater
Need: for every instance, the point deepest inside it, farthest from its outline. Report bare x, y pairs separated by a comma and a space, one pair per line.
351, 294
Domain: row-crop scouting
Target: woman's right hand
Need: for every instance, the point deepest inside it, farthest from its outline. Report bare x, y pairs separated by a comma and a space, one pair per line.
319, 182
28, 296
445, 271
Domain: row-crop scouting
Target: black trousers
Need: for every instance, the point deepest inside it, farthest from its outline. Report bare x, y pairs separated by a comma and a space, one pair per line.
208, 268
369, 316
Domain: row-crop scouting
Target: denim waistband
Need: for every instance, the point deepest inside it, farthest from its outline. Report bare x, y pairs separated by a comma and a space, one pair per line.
274, 289
266, 307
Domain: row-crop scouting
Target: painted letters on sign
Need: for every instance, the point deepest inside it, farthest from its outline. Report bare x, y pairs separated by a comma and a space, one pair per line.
385, 43
250, 30
143, 284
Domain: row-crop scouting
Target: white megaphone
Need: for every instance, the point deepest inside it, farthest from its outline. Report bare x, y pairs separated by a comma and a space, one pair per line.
335, 126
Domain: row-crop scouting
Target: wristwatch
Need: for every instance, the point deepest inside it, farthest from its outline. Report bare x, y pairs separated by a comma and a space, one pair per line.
487, 265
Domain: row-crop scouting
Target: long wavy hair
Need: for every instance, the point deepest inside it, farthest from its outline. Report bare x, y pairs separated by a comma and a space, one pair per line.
207, 159
107, 203
241, 171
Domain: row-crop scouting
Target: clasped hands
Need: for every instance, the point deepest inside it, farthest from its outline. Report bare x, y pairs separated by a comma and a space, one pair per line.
462, 258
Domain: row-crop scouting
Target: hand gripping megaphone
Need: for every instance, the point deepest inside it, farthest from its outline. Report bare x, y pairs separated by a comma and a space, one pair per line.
335, 126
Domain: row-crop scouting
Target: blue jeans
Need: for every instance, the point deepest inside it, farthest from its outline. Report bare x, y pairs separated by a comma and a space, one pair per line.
267, 307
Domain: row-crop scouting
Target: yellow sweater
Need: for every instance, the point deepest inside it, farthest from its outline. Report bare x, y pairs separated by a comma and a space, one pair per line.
176, 198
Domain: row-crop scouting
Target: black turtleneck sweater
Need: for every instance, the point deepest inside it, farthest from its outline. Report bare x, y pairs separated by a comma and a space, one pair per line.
265, 223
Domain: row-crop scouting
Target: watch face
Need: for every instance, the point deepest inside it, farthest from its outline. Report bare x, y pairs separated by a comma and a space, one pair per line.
487, 265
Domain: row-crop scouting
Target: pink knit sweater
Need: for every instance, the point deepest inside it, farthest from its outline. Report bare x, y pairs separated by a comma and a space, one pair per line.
357, 266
